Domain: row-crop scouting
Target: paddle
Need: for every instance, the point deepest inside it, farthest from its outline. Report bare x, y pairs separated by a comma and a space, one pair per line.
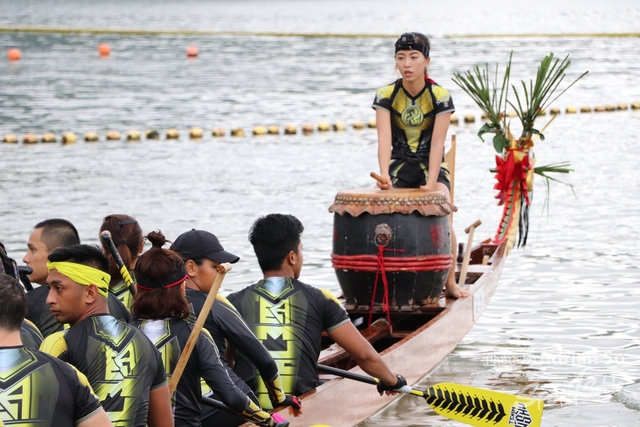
471, 405
124, 271
467, 253
197, 327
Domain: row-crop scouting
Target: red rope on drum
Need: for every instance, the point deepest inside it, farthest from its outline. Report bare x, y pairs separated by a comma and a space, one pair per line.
382, 271
416, 264
382, 264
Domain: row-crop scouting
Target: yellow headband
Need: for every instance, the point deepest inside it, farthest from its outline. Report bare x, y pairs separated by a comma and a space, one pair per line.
83, 275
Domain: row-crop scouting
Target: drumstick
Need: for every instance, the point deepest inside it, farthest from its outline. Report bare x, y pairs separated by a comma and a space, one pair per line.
124, 270
197, 327
379, 178
467, 253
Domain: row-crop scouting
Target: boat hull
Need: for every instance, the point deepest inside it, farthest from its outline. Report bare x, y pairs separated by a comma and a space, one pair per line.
342, 402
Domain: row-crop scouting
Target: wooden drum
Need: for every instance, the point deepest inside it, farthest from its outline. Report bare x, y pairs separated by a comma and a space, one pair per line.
396, 242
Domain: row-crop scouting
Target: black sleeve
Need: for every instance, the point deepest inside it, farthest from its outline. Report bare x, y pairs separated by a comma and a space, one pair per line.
87, 404
216, 376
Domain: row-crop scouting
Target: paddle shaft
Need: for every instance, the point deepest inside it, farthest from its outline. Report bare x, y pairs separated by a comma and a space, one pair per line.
124, 270
197, 327
467, 253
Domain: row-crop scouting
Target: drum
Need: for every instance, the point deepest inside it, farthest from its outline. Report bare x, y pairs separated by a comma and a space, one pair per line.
391, 247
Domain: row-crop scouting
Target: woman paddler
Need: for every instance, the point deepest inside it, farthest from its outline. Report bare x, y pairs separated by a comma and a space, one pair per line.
160, 309
412, 116
127, 238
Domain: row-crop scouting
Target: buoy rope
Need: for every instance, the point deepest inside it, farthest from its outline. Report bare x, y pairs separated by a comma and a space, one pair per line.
149, 32
143, 32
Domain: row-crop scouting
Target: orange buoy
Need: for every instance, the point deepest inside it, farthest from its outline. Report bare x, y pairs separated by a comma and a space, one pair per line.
14, 54
104, 49
192, 51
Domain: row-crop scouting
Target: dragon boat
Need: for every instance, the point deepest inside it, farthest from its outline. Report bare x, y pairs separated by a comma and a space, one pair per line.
391, 253
412, 329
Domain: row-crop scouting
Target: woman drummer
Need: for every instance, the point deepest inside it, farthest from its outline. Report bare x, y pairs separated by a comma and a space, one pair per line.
127, 237
160, 309
412, 116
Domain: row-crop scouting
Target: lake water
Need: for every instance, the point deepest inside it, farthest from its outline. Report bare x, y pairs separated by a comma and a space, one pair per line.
563, 324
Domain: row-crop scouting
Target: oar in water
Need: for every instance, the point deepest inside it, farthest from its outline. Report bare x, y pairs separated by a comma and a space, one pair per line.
474, 406
124, 270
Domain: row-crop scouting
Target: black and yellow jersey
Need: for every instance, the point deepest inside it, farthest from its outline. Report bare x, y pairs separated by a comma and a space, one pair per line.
170, 337
121, 291
120, 362
288, 317
30, 335
37, 389
39, 313
413, 118
224, 323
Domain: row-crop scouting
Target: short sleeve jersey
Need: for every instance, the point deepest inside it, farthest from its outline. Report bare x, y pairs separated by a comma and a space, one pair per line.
120, 362
413, 118
289, 323
38, 389
170, 337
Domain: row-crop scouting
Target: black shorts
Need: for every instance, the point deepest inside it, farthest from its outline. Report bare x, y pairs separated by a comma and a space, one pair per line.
414, 175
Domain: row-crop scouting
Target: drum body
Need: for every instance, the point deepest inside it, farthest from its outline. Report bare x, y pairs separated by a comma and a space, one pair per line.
403, 235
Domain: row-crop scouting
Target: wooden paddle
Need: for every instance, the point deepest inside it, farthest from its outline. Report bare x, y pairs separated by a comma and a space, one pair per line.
222, 269
467, 253
124, 270
378, 178
474, 406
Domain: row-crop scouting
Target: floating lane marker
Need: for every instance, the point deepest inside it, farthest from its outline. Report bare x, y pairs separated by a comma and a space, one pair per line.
196, 133
142, 32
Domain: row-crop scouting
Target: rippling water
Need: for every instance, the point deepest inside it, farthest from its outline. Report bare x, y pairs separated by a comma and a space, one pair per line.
563, 324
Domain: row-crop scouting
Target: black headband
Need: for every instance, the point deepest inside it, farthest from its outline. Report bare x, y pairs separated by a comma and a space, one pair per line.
407, 41
175, 278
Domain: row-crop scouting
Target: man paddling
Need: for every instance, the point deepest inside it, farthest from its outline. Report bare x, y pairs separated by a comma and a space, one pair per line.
122, 365
289, 316
47, 236
35, 388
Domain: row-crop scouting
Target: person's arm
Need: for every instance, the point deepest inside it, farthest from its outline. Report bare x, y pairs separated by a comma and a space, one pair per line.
236, 331
160, 414
216, 377
436, 152
349, 338
99, 419
383, 125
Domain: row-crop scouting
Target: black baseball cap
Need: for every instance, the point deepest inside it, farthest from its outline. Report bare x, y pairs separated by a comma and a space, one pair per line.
202, 244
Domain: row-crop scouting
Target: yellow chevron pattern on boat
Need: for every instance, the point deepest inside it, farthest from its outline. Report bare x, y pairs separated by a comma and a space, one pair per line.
483, 408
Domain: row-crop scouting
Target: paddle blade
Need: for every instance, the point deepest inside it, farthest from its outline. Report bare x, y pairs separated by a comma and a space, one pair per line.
484, 408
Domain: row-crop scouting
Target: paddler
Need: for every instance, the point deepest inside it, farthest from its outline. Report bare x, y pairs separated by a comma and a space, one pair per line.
47, 236
289, 316
123, 367
412, 119
202, 253
161, 311
35, 388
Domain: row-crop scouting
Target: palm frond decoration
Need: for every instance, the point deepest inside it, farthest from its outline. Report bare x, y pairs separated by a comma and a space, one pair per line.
515, 166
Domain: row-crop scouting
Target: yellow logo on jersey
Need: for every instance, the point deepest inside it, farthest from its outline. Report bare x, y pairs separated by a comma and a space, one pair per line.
412, 116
